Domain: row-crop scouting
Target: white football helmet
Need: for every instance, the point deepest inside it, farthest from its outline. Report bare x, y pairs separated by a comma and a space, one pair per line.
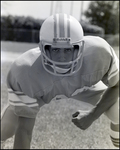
61, 31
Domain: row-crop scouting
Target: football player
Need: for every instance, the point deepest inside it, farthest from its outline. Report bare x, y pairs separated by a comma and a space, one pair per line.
65, 63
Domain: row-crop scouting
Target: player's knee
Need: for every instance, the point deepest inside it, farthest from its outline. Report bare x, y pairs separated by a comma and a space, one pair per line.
113, 113
114, 134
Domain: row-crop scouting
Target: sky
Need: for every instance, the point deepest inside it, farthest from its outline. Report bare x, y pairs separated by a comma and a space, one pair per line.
42, 9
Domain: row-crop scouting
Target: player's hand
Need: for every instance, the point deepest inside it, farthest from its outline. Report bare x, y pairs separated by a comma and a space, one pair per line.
82, 119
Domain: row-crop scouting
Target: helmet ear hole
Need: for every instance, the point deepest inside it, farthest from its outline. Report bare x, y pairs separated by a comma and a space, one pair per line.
76, 51
76, 47
47, 50
47, 47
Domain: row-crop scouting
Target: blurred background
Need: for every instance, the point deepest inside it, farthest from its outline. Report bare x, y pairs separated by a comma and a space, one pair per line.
20, 25
21, 20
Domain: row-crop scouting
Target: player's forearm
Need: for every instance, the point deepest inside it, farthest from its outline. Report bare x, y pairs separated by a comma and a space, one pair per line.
22, 139
109, 97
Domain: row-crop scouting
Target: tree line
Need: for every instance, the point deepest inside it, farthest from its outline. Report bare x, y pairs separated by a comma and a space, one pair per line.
104, 14
20, 22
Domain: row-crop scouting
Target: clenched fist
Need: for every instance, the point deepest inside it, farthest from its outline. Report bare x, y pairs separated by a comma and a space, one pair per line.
82, 119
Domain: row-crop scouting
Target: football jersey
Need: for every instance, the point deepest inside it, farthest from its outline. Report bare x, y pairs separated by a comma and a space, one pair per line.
28, 78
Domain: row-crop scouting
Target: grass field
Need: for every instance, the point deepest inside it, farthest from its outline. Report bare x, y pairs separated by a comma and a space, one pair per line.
53, 128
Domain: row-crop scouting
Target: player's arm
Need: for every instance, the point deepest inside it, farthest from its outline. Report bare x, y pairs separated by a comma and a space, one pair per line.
84, 119
109, 97
23, 133
111, 79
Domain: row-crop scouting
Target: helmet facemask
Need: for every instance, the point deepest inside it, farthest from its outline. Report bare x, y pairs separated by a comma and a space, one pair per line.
62, 68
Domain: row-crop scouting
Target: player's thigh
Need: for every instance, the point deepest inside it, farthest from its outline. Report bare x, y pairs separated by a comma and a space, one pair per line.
9, 121
113, 112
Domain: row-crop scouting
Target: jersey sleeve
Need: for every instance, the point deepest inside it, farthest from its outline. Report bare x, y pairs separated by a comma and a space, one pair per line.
12, 79
23, 104
112, 76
